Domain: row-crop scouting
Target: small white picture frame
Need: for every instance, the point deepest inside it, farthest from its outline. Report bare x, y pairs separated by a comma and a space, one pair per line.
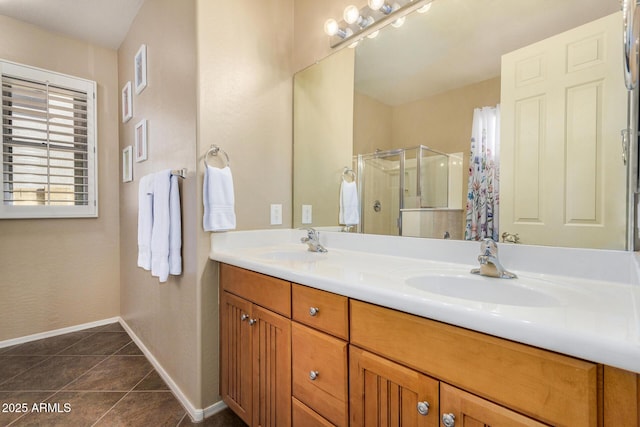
127, 106
141, 140
127, 164
140, 69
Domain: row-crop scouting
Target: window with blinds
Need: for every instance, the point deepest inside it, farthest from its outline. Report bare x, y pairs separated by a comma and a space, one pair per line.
48, 144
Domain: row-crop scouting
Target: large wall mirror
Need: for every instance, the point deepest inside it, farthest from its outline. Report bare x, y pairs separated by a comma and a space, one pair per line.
529, 94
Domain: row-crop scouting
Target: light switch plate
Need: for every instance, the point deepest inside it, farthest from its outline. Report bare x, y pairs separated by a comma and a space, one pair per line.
276, 214
306, 214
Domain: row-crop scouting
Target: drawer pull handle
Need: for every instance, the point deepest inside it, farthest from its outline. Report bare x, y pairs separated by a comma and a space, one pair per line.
313, 375
244, 317
423, 408
313, 311
253, 322
449, 420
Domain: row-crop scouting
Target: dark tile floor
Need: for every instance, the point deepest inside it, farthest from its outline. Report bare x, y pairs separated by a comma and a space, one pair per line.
94, 377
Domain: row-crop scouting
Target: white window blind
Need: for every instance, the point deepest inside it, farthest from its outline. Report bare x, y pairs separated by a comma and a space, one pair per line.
48, 144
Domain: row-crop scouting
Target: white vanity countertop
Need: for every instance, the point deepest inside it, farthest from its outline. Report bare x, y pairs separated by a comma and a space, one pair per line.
580, 302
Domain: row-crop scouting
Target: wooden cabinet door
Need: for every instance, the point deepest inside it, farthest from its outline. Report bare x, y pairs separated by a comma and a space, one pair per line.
235, 358
467, 410
271, 369
384, 393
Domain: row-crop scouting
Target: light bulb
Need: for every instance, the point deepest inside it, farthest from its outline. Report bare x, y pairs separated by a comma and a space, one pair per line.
331, 27
380, 5
424, 9
399, 22
351, 14
374, 34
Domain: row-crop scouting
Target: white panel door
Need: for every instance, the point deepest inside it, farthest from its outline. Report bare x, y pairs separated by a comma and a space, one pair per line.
563, 106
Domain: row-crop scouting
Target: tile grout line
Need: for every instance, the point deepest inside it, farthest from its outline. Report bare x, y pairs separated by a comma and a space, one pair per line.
122, 398
46, 356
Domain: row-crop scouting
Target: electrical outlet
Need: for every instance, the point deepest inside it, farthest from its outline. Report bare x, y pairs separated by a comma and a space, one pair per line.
276, 214
306, 214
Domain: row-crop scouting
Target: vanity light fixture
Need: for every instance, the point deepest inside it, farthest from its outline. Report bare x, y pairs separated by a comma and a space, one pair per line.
366, 22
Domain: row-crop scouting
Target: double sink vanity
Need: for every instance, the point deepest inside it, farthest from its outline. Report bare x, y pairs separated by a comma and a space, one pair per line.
384, 329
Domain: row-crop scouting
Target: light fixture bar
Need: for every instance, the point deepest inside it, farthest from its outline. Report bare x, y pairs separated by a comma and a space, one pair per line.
350, 33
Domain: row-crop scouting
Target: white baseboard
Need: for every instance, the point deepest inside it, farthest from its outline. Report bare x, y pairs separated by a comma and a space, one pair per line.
214, 409
55, 332
196, 414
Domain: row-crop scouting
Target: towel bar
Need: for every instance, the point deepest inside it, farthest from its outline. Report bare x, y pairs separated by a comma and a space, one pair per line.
347, 172
214, 150
180, 173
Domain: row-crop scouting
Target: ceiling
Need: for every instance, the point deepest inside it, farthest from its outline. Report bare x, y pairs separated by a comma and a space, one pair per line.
102, 22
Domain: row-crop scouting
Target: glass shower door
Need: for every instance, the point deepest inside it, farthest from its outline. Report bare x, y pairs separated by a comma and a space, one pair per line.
381, 192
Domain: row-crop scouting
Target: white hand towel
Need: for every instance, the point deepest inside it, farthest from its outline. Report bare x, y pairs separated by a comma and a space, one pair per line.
145, 221
161, 225
349, 208
218, 199
175, 228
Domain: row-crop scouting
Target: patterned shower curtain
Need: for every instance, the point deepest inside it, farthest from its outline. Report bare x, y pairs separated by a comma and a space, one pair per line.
484, 175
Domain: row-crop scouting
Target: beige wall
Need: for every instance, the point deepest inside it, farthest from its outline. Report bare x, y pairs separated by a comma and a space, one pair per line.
165, 316
372, 125
311, 43
323, 135
210, 81
244, 106
63, 272
443, 121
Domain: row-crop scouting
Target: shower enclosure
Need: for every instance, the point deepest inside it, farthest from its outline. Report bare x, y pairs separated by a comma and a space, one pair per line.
401, 190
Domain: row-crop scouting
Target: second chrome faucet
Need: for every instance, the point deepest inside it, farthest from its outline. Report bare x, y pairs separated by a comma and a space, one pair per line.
313, 240
489, 263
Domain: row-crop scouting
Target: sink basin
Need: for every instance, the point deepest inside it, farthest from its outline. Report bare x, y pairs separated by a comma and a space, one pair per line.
518, 292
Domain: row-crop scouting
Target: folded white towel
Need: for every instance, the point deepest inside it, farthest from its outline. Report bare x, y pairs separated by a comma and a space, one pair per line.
349, 208
145, 221
218, 199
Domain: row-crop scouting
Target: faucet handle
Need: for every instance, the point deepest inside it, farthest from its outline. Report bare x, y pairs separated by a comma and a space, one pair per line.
311, 232
489, 247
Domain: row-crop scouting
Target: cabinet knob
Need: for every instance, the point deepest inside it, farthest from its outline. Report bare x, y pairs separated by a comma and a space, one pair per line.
253, 322
423, 408
449, 420
313, 375
313, 311
244, 317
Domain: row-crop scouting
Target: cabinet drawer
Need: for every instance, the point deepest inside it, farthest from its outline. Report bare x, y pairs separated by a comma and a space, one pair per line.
326, 357
553, 388
331, 310
266, 291
303, 416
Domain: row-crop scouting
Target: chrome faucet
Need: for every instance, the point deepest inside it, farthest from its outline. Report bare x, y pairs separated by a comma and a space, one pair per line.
489, 263
313, 240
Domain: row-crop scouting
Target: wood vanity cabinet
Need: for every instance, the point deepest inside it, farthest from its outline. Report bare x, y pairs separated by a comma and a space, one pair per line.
291, 354
255, 335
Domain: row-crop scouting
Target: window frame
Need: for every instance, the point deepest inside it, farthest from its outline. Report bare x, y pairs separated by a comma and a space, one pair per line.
38, 75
